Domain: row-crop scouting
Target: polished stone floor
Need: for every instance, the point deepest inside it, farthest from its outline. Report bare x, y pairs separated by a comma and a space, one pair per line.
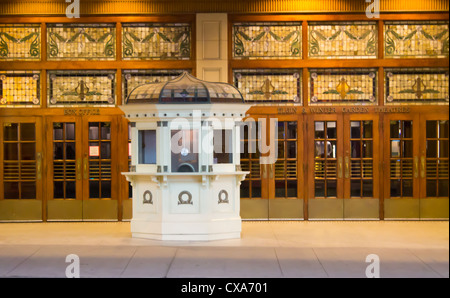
276, 249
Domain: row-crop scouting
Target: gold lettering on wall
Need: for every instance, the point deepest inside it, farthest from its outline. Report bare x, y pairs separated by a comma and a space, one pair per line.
81, 112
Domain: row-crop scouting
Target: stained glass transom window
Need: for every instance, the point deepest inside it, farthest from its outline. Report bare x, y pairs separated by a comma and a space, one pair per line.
342, 86
20, 42
416, 85
19, 88
342, 40
81, 87
81, 42
134, 78
416, 39
269, 85
156, 41
267, 40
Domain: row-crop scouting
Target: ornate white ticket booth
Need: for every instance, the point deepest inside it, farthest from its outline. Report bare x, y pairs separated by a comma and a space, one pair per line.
185, 148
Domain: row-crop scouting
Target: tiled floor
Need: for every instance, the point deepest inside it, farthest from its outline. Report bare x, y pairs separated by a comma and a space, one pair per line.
266, 249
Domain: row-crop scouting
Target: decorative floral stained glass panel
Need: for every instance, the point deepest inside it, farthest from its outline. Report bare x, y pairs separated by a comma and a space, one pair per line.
267, 40
81, 42
156, 41
77, 88
416, 85
20, 42
342, 86
344, 40
269, 85
19, 88
419, 39
134, 78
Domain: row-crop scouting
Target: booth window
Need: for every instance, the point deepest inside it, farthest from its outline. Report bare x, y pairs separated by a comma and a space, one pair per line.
147, 146
223, 146
184, 144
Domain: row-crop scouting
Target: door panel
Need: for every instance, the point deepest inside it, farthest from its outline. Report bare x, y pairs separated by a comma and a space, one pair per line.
361, 167
325, 167
64, 183
21, 169
272, 189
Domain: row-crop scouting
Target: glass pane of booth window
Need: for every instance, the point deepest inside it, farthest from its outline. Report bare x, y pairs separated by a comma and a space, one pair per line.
416, 85
269, 85
78, 88
20, 42
99, 158
437, 158
401, 158
19, 161
325, 161
342, 86
64, 160
153, 41
223, 146
274, 40
342, 40
184, 150
136, 77
81, 41
19, 88
416, 39
147, 146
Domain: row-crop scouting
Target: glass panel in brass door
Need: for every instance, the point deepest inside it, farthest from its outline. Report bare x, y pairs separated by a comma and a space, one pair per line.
21, 170
64, 195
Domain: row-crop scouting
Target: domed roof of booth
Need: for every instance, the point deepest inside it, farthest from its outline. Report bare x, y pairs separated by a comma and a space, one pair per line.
185, 89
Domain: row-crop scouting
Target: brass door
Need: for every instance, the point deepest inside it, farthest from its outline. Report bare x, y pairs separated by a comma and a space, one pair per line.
343, 166
21, 169
433, 166
325, 167
272, 189
361, 165
82, 183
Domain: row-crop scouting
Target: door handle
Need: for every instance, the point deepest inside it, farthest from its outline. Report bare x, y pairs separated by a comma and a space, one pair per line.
38, 166
422, 171
85, 168
78, 168
340, 167
263, 170
347, 167
271, 171
416, 167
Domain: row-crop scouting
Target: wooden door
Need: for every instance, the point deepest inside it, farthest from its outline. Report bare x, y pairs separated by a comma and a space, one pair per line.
21, 169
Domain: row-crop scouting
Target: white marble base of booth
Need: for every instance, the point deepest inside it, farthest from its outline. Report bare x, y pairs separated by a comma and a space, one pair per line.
187, 231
